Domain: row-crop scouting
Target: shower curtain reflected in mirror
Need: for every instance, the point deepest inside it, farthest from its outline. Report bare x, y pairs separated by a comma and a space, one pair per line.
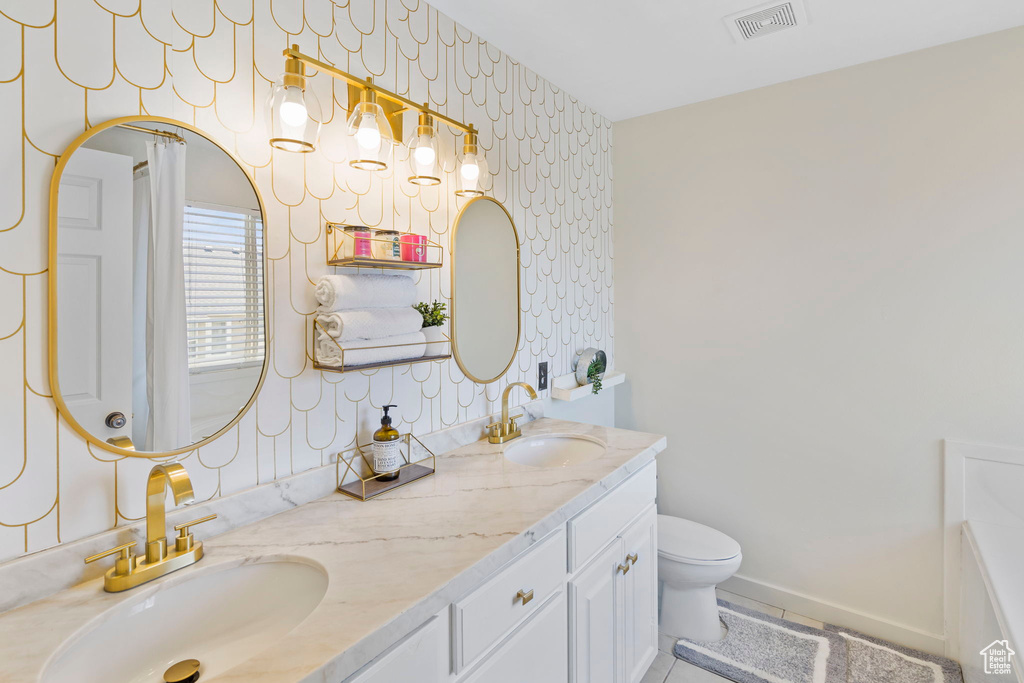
160, 373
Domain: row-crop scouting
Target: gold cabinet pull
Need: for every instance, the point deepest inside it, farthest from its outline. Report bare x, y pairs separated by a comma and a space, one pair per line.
525, 596
624, 568
632, 558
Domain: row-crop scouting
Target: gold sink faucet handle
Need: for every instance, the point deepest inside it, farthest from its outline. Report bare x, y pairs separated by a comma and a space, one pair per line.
124, 565
185, 541
495, 429
512, 426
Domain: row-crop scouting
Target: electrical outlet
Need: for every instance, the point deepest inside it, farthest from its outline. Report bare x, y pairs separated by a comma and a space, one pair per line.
542, 376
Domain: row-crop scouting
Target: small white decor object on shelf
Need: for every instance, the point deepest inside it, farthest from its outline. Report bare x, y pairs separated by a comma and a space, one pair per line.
565, 387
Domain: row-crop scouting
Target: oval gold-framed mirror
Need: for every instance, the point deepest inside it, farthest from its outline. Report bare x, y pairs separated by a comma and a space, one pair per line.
486, 305
158, 327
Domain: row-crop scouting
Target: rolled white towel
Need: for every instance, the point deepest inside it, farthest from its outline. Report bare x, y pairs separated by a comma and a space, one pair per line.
375, 290
371, 323
401, 347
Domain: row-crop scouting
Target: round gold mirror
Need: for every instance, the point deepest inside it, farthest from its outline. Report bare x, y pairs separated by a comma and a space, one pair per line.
158, 328
485, 290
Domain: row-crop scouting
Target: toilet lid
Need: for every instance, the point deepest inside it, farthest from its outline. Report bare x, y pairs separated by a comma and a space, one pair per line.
681, 539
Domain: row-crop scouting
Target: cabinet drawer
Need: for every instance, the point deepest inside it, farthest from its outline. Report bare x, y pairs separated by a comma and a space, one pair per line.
536, 653
494, 609
593, 528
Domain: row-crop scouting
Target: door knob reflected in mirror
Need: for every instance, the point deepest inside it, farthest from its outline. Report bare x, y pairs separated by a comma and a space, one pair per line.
116, 420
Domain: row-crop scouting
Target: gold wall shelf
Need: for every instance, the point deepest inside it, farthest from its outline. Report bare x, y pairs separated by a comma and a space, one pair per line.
363, 262
355, 470
438, 347
340, 252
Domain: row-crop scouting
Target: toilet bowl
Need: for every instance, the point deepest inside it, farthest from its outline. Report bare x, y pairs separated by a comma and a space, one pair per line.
692, 560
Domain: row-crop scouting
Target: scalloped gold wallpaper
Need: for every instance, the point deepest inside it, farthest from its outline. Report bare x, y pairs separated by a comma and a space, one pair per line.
68, 64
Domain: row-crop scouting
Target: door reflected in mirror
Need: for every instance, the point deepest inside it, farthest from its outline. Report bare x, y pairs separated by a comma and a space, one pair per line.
485, 290
158, 330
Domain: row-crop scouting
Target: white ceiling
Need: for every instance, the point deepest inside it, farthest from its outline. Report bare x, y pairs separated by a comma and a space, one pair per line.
631, 57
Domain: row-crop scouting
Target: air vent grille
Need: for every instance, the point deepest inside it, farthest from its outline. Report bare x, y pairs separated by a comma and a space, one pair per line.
767, 19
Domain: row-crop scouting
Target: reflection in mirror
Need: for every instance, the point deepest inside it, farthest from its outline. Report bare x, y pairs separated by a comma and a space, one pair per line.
159, 336
485, 290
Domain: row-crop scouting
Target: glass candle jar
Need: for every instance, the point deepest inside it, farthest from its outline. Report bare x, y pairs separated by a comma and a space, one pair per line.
357, 241
387, 246
414, 247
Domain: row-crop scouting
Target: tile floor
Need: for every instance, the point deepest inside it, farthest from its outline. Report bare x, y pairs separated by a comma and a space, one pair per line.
668, 669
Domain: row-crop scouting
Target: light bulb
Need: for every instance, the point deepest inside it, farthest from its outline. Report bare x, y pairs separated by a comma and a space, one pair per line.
368, 135
424, 154
293, 107
469, 170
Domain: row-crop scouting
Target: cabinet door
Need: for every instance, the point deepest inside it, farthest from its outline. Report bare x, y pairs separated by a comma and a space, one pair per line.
536, 653
594, 626
421, 657
640, 596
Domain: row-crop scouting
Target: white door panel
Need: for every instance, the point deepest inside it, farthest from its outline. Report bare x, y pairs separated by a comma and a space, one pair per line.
640, 596
94, 290
594, 597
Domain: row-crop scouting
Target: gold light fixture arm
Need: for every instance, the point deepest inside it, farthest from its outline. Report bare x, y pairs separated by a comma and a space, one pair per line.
403, 102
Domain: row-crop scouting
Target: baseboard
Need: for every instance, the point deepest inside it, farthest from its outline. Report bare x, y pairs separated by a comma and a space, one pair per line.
830, 613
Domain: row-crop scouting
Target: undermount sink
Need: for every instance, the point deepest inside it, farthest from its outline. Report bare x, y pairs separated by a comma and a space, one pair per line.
554, 450
220, 617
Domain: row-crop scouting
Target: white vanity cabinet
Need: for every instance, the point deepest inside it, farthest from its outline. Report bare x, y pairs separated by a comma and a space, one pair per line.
579, 606
640, 596
614, 609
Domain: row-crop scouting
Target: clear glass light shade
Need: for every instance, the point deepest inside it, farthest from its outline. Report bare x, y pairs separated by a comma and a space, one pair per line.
293, 115
424, 153
473, 175
371, 142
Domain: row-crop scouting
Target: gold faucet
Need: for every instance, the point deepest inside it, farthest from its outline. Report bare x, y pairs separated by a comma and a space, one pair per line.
507, 429
128, 571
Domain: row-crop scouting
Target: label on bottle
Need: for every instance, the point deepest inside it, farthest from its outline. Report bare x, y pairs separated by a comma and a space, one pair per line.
387, 456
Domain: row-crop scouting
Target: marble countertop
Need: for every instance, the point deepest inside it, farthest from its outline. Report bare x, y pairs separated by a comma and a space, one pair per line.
392, 562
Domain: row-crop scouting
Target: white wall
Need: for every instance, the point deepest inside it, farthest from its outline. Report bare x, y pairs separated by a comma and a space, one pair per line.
815, 283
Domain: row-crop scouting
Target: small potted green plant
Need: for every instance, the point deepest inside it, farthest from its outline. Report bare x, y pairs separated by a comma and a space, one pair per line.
434, 317
591, 367
595, 372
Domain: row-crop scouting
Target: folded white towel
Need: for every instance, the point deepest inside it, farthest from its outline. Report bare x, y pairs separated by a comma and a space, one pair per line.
346, 292
401, 347
370, 324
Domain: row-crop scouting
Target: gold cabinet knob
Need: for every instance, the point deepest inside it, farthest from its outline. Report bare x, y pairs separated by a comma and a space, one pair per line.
632, 558
125, 563
525, 596
624, 568
185, 541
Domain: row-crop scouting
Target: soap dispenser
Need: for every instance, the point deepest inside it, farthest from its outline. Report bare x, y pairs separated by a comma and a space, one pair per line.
387, 449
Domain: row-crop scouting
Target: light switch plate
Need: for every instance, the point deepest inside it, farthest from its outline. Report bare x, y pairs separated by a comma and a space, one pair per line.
542, 376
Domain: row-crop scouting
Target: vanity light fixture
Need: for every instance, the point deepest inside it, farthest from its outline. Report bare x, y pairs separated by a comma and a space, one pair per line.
371, 140
473, 173
424, 152
293, 111
374, 125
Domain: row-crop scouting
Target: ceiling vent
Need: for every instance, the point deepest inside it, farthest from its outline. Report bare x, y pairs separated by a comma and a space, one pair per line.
761, 21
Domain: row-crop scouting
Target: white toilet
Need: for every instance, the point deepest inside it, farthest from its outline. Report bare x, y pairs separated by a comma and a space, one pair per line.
692, 560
